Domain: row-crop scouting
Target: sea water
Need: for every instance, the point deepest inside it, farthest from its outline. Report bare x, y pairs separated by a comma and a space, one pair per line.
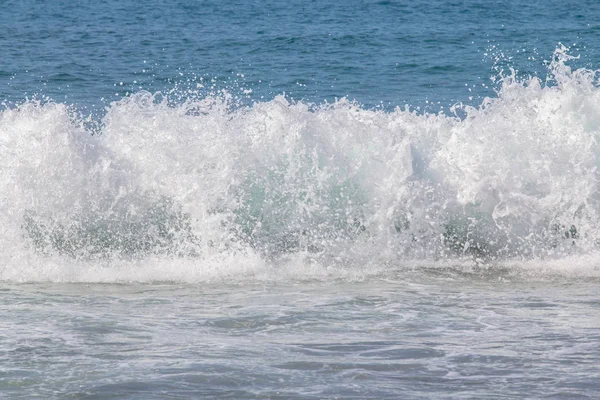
367, 199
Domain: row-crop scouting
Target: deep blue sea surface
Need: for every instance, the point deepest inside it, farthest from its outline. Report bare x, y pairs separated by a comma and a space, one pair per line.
299, 200
387, 53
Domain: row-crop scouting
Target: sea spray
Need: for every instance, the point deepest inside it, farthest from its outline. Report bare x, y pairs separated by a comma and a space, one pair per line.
202, 188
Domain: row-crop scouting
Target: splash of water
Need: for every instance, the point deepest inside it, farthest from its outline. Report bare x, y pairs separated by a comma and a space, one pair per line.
204, 189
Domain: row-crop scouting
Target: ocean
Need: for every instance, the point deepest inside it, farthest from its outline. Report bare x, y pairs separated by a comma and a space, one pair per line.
299, 200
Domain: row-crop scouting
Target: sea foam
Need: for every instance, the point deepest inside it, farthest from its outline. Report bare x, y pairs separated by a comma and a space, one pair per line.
202, 190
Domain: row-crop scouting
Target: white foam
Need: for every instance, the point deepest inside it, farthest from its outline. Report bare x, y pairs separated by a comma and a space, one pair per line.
297, 191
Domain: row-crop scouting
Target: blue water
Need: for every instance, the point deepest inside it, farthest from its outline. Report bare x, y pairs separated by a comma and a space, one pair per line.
378, 52
299, 200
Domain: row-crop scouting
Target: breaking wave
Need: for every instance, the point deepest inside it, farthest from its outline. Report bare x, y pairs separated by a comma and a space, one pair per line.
205, 190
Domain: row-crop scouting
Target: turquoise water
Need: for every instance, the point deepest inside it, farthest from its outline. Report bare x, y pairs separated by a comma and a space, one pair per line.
368, 199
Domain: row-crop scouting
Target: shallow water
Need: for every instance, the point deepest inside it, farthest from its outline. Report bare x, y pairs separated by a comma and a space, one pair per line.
409, 337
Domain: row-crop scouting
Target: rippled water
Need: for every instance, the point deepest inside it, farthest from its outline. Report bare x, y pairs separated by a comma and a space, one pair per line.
379, 52
409, 337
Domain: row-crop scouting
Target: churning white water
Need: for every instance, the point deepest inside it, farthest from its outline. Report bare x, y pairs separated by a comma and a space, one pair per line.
201, 189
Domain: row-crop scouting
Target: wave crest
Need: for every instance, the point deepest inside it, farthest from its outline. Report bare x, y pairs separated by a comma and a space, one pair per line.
513, 179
